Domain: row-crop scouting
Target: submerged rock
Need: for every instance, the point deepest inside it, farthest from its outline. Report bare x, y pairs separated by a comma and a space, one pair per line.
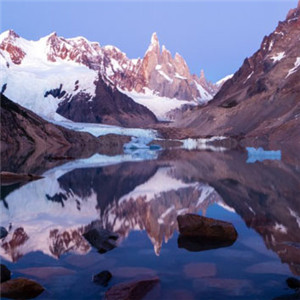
3, 232
134, 290
21, 288
102, 239
197, 244
5, 273
293, 283
102, 278
191, 225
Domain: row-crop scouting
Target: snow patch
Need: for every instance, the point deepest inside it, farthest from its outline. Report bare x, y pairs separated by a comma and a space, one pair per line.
102, 129
202, 144
205, 96
294, 69
160, 106
223, 80
160, 182
296, 216
163, 74
179, 76
278, 57
249, 76
281, 228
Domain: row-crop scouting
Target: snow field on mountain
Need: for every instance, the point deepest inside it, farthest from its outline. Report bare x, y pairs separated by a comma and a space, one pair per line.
27, 85
160, 106
102, 129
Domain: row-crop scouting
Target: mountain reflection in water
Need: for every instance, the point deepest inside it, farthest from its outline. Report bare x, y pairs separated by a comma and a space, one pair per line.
51, 214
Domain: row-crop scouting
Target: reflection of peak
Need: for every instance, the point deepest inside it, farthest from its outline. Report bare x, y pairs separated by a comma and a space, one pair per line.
147, 198
154, 206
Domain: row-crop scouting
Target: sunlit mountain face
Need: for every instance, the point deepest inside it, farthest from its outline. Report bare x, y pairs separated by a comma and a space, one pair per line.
53, 213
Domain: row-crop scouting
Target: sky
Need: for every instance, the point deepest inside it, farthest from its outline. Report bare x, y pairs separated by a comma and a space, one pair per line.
215, 36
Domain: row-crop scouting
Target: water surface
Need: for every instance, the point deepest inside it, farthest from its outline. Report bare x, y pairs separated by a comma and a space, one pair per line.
140, 200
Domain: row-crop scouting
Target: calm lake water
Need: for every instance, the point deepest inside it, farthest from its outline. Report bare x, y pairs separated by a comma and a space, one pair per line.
139, 199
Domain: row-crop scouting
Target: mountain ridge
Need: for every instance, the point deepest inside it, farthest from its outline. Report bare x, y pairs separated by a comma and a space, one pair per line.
75, 66
261, 101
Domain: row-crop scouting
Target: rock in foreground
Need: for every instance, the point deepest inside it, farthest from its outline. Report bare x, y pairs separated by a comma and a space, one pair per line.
191, 225
134, 290
21, 288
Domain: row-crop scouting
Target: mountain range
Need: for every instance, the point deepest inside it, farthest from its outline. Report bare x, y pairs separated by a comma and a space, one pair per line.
86, 82
74, 79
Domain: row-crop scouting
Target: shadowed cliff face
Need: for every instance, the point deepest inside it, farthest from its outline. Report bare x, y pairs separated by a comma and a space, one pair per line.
31, 138
108, 106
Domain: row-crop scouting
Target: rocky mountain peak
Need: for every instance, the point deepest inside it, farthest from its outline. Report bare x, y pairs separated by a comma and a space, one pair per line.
8, 43
52, 37
9, 34
154, 38
294, 13
154, 46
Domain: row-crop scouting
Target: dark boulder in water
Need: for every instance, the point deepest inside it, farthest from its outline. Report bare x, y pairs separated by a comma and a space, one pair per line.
102, 278
293, 283
5, 273
21, 288
197, 244
102, 239
191, 225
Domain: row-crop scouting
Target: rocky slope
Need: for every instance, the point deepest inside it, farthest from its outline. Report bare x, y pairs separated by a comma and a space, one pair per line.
54, 71
263, 96
108, 106
24, 133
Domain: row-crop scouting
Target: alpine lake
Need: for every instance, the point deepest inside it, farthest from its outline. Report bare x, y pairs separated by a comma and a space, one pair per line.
136, 197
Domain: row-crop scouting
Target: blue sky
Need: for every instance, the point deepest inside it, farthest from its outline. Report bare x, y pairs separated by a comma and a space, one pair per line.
212, 35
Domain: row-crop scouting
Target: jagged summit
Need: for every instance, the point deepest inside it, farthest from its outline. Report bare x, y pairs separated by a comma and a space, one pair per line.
8, 34
154, 38
154, 46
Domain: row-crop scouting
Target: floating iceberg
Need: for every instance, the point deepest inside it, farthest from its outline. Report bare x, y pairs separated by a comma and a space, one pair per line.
260, 154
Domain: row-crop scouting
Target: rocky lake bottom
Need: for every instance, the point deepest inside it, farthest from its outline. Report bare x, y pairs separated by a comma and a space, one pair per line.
137, 201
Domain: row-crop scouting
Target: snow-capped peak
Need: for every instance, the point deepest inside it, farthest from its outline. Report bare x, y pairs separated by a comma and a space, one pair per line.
154, 38
158, 72
223, 80
8, 34
154, 44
